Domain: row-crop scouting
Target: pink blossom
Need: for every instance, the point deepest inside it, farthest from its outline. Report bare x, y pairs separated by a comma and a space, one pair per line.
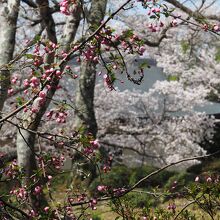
197, 179
95, 144
142, 50
34, 82
10, 91
42, 94
26, 83
46, 209
37, 189
101, 188
216, 27
209, 180
34, 110
174, 23
49, 177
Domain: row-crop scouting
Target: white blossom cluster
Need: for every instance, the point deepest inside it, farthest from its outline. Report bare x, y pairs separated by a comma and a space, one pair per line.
160, 124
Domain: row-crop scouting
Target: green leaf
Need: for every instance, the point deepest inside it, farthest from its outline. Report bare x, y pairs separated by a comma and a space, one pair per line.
37, 38
29, 56
144, 65
128, 33
217, 55
199, 195
20, 101
172, 78
185, 46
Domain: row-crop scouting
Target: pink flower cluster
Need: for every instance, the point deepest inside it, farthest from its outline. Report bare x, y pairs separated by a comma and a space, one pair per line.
207, 179
50, 48
94, 145
12, 169
90, 54
37, 190
102, 188
47, 75
38, 58
92, 204
153, 11
33, 213
108, 82
58, 115
20, 193
216, 28
34, 82
119, 191
65, 6
81, 197
10, 91
172, 207
155, 27
58, 161
14, 79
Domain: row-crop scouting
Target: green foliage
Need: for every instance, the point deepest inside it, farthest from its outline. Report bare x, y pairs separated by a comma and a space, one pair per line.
185, 46
141, 199
154, 181
29, 56
60, 181
37, 38
128, 33
172, 78
163, 214
196, 169
124, 208
122, 176
144, 65
96, 217
210, 166
116, 178
179, 180
186, 214
20, 101
217, 55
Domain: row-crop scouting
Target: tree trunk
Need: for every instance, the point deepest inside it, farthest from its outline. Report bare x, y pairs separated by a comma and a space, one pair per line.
85, 115
8, 18
25, 139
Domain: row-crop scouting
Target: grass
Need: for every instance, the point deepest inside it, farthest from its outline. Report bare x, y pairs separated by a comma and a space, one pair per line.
104, 212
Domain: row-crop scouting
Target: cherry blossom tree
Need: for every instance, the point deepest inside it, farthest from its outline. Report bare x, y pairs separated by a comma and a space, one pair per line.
187, 54
8, 14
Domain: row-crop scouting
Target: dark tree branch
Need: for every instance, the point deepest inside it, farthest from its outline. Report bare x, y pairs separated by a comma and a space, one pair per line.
158, 42
195, 14
15, 208
30, 3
